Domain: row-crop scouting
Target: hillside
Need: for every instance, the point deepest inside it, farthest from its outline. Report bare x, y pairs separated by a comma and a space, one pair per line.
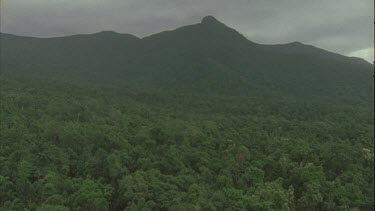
207, 57
197, 118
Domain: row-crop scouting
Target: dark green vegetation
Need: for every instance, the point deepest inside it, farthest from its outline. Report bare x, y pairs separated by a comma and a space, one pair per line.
205, 58
198, 118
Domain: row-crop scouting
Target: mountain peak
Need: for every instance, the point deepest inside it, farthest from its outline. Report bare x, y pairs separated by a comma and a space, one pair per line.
209, 20
108, 32
114, 34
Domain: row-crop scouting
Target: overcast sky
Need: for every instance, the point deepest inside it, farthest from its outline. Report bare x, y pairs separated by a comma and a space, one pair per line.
342, 26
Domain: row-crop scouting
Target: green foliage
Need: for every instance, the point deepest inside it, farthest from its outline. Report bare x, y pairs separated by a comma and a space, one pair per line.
133, 152
198, 118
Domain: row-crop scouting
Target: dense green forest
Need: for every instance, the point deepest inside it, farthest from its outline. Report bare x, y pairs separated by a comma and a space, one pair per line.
71, 147
197, 118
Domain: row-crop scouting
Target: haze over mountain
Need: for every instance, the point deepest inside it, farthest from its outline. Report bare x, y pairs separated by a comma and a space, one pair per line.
208, 57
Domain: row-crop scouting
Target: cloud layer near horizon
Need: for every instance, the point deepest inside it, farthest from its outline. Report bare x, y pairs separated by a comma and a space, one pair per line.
344, 26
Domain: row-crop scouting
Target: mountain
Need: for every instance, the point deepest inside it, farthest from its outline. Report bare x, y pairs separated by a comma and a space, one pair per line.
197, 118
208, 57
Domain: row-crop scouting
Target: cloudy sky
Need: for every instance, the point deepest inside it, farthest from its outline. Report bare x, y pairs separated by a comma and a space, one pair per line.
343, 26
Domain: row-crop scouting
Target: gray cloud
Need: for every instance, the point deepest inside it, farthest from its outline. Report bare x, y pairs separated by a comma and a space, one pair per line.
343, 26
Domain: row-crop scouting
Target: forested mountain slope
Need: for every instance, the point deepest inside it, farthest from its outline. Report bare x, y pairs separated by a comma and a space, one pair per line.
207, 57
197, 118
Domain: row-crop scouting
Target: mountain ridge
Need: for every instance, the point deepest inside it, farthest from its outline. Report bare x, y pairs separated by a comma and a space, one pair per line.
204, 57
207, 20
